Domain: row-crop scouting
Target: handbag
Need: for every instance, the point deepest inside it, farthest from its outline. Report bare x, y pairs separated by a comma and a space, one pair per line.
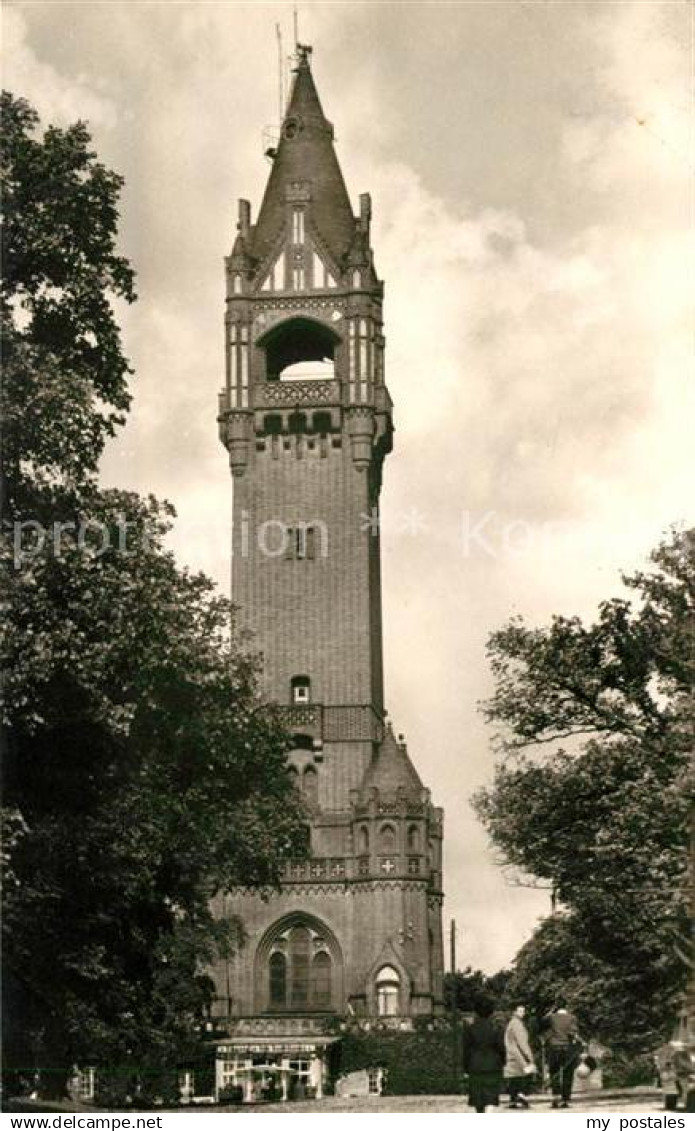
586, 1066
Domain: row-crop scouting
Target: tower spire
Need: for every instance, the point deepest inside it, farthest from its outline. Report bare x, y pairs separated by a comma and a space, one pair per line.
306, 156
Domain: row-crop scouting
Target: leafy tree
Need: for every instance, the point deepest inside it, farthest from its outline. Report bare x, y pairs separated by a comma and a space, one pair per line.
141, 773
65, 385
469, 984
603, 821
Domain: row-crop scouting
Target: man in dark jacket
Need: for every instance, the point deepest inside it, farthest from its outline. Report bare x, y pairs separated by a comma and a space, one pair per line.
563, 1047
483, 1057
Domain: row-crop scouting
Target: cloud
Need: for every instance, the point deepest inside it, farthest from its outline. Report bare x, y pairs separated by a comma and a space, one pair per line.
529, 367
58, 98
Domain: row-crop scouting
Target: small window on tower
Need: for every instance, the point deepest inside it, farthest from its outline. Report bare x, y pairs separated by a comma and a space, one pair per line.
298, 423
298, 225
307, 548
305, 542
310, 784
302, 741
301, 689
237, 284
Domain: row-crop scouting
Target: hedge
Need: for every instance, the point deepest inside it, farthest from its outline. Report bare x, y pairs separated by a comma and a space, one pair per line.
419, 1063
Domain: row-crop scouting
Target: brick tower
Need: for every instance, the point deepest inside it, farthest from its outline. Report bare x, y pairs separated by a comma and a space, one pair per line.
355, 935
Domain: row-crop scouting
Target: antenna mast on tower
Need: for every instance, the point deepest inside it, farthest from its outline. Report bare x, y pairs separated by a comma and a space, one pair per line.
281, 83
293, 59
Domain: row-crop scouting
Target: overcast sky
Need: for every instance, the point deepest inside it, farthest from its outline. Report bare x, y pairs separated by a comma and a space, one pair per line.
530, 168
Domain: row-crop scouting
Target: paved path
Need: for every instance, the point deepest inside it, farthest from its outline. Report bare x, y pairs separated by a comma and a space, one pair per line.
629, 1100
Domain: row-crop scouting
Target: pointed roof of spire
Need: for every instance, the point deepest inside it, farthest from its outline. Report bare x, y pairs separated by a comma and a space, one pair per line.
305, 162
392, 770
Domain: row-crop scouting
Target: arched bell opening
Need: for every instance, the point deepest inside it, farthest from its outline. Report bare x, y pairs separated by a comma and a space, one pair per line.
300, 349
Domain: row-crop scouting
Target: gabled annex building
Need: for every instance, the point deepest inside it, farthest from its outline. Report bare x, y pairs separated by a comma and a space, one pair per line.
354, 937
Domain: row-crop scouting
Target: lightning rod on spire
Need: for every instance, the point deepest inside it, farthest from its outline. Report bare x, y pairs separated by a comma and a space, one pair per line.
281, 84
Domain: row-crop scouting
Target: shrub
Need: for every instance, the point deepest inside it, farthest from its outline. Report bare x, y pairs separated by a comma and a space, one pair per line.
623, 1071
419, 1063
232, 1094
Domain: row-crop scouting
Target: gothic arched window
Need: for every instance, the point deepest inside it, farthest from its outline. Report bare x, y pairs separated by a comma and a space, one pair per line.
278, 979
321, 980
414, 839
363, 840
299, 955
298, 968
388, 984
388, 838
300, 979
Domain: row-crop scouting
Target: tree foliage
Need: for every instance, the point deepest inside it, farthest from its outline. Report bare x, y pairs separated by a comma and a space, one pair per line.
141, 773
65, 387
603, 821
146, 777
466, 987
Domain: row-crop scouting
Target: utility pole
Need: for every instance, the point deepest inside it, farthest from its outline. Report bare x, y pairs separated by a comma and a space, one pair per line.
454, 1009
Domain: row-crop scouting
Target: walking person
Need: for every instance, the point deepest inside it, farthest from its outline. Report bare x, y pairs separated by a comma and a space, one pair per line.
483, 1057
519, 1065
563, 1045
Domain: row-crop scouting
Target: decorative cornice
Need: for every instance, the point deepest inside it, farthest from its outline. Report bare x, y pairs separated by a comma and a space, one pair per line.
341, 887
289, 393
274, 300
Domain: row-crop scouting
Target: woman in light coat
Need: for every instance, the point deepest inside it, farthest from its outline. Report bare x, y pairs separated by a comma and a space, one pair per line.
519, 1066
